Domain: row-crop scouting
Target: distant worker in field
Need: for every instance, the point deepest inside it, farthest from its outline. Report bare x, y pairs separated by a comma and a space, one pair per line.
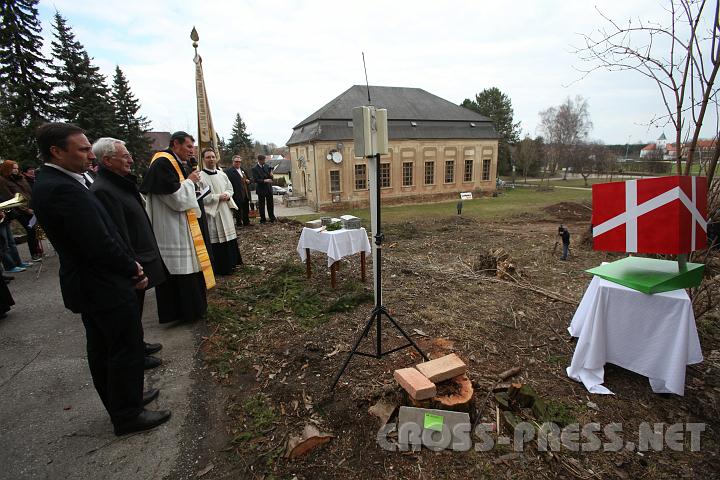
564, 235
459, 207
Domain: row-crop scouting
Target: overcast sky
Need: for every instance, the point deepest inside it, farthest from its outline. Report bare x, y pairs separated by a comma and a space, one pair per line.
277, 61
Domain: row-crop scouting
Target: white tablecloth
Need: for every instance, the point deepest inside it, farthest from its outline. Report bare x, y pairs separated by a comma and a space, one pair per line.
653, 335
336, 244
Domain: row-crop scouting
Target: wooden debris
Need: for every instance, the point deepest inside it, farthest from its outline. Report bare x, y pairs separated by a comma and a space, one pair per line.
522, 395
509, 373
311, 438
205, 470
383, 409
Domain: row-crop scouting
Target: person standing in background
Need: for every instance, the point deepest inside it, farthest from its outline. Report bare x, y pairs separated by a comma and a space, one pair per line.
16, 183
263, 178
241, 190
219, 205
564, 235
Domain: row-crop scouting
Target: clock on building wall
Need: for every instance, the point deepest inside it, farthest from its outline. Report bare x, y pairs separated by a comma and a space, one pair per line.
334, 156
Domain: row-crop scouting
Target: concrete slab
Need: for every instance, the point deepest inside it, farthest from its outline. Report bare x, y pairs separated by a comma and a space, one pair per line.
435, 429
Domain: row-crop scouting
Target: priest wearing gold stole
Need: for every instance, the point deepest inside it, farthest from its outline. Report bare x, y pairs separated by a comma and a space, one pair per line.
218, 209
172, 206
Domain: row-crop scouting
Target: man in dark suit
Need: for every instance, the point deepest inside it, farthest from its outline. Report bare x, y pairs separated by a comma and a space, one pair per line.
98, 275
263, 178
240, 181
117, 190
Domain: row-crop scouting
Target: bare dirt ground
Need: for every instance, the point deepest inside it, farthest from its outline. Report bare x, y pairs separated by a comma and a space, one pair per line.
275, 340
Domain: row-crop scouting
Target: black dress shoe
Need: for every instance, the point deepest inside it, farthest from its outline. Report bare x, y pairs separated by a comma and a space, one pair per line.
145, 421
152, 362
151, 348
150, 395
8, 278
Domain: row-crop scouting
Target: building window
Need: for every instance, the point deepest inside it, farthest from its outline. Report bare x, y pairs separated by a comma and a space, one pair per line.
361, 177
449, 171
467, 177
407, 174
429, 173
486, 169
334, 180
384, 175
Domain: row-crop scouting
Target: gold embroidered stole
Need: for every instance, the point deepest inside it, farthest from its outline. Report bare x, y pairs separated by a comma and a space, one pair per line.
200, 248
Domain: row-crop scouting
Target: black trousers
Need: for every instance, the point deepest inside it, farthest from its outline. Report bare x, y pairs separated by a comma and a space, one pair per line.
264, 198
116, 358
32, 242
242, 214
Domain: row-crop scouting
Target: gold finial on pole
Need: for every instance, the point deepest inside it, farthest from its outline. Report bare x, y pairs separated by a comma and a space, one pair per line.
194, 37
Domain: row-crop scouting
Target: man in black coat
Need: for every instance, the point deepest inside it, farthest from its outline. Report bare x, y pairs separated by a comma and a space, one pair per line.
240, 181
98, 275
263, 178
116, 188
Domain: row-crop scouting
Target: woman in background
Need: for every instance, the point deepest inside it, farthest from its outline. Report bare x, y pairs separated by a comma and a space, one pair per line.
15, 182
218, 204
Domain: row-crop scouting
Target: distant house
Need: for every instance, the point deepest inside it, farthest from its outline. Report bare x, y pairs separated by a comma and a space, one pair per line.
160, 140
282, 168
655, 151
437, 149
648, 151
703, 150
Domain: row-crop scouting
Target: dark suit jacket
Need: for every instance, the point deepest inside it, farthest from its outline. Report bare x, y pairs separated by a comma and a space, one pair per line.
96, 267
121, 198
259, 174
241, 190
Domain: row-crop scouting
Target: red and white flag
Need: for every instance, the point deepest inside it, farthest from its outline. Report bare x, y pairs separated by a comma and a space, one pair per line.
665, 215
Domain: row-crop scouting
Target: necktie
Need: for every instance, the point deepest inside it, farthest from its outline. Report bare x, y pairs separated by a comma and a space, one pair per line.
88, 183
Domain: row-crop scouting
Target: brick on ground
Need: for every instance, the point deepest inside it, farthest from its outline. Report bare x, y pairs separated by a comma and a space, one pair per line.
415, 383
442, 368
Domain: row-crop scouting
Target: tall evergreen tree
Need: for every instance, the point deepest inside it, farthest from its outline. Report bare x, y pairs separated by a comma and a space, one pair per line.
497, 106
225, 153
240, 141
24, 89
82, 96
132, 127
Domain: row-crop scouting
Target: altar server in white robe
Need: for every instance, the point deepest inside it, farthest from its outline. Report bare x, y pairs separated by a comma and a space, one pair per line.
218, 208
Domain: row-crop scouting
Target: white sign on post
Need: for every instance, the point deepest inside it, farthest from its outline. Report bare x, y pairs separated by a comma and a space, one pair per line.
466, 196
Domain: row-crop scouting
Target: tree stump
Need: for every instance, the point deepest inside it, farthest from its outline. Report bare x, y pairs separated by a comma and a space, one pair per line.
454, 394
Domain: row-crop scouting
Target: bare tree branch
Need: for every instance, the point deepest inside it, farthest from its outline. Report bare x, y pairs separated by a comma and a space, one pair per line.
685, 79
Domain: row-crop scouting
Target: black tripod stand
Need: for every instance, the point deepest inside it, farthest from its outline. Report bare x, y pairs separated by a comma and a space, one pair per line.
379, 310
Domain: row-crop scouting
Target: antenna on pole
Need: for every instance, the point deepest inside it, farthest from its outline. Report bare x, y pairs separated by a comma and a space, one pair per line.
370, 140
366, 79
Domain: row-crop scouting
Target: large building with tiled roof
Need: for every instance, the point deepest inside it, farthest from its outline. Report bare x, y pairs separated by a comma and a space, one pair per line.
437, 150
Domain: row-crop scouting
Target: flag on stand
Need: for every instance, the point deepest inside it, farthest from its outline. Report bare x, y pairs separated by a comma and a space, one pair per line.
206, 131
664, 215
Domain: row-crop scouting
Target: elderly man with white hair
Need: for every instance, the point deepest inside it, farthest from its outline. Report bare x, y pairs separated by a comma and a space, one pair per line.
116, 188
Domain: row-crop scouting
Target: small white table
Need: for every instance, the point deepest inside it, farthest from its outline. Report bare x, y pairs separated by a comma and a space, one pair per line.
653, 335
336, 245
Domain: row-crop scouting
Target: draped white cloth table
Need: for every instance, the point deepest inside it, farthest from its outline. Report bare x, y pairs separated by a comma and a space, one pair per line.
336, 245
653, 335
